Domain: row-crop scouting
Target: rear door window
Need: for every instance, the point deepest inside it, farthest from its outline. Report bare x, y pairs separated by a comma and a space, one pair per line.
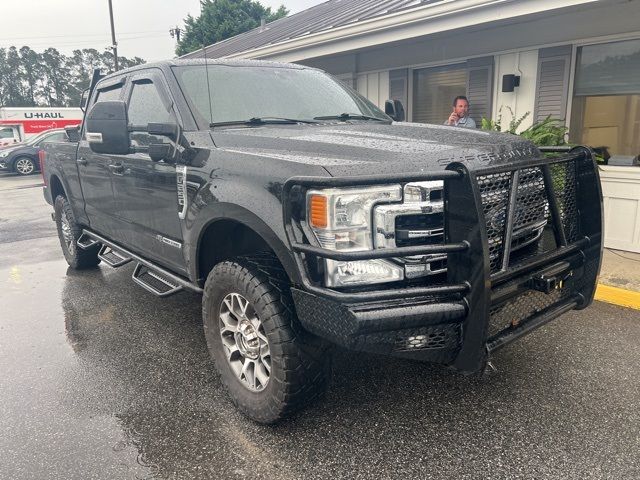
108, 94
105, 94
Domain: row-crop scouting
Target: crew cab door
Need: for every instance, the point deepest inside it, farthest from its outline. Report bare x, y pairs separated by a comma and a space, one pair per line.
94, 172
145, 192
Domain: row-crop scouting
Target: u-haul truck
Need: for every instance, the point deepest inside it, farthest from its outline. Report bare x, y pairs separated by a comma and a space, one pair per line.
17, 124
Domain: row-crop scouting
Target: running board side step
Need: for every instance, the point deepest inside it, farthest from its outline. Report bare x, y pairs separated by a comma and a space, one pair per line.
85, 241
148, 275
112, 257
154, 282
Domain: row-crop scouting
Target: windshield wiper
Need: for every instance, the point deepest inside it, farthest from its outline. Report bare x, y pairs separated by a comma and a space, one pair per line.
349, 116
261, 121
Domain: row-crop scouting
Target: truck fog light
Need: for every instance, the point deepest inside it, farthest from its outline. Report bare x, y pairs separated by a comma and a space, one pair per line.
343, 274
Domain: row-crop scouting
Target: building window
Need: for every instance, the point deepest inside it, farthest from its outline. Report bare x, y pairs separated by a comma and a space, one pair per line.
606, 103
434, 90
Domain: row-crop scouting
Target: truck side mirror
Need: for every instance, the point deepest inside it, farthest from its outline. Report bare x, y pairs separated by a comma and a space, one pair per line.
162, 151
395, 110
73, 133
157, 151
107, 128
169, 130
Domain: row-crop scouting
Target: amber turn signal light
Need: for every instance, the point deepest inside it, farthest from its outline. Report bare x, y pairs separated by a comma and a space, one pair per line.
318, 211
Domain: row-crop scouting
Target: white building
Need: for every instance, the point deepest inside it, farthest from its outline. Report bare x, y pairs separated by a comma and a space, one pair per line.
578, 60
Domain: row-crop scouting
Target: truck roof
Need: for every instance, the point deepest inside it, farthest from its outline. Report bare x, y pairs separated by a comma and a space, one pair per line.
215, 61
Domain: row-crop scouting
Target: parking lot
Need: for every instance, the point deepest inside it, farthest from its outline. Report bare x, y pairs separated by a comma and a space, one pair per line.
102, 380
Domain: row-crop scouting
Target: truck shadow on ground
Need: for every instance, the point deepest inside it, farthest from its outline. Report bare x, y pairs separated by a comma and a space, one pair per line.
145, 361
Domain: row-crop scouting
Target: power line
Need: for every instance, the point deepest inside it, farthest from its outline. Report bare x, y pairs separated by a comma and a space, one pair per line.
76, 36
104, 39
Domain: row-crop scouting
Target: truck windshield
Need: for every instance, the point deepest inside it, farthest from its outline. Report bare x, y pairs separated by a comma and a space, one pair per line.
240, 93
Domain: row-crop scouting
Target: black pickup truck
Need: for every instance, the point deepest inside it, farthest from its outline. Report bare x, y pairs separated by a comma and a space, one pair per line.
308, 217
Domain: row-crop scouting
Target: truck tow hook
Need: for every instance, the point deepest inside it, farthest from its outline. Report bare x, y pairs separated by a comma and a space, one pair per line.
552, 278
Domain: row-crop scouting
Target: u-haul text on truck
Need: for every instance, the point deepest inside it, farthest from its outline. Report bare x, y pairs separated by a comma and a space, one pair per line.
19, 123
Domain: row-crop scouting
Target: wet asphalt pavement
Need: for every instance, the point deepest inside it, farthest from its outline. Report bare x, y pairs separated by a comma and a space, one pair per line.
101, 380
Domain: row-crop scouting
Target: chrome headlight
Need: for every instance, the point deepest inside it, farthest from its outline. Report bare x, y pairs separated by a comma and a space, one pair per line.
4, 154
341, 219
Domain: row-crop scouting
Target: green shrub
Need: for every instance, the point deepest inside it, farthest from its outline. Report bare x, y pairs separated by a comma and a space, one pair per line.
490, 125
547, 133
514, 124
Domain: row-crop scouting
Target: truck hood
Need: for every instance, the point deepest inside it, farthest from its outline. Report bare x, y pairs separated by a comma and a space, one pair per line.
366, 148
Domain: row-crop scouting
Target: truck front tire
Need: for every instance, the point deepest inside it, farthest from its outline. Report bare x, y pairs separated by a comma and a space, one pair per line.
69, 232
269, 365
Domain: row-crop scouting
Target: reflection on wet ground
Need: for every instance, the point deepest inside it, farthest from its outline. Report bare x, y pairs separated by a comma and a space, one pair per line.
110, 382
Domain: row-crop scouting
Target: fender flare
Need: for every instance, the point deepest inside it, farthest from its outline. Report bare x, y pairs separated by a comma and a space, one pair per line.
55, 172
228, 211
77, 207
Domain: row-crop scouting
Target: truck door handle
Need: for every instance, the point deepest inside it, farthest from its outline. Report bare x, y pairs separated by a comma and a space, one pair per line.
116, 168
82, 161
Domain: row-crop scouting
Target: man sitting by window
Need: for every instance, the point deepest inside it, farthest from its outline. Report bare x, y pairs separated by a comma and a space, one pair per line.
460, 115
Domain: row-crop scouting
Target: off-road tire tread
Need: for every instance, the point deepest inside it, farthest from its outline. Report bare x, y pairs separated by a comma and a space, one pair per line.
305, 358
81, 259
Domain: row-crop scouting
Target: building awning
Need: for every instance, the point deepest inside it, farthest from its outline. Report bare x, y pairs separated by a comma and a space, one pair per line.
338, 26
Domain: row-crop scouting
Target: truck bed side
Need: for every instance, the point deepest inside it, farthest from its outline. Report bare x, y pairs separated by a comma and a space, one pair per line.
61, 176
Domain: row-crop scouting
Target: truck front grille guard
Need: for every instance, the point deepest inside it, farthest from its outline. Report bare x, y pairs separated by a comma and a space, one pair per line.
562, 192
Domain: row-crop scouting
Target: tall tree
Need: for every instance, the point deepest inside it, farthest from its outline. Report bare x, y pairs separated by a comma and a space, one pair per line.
14, 90
81, 75
222, 19
4, 69
56, 70
29, 78
32, 71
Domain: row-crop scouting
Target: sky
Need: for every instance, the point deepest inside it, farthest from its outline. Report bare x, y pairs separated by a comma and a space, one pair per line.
142, 26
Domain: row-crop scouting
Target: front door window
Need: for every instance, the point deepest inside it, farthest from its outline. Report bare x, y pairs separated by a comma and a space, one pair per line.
146, 106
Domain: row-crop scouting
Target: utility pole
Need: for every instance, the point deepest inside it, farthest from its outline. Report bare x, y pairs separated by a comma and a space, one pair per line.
175, 33
114, 44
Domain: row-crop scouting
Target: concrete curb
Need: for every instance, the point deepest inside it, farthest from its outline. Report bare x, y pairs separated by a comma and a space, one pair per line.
618, 296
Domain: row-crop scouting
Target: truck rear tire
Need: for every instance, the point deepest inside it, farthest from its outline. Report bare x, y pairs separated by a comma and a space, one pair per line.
269, 365
69, 232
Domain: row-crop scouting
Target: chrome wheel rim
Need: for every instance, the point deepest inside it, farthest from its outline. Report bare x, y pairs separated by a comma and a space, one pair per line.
66, 232
24, 166
245, 344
